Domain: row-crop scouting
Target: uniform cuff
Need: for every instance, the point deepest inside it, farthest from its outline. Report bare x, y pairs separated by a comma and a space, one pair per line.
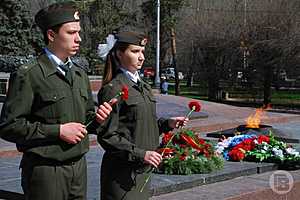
163, 125
137, 155
50, 130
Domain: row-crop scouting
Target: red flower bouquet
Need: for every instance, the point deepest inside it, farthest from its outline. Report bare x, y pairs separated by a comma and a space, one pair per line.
170, 138
187, 153
262, 148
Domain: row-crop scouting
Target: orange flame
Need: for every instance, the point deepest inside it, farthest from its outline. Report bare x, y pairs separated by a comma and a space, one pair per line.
253, 121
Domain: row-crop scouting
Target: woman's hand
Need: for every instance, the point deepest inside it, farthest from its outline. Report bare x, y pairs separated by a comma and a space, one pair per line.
176, 122
153, 158
104, 110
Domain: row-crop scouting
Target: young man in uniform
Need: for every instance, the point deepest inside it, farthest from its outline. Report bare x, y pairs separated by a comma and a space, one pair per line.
48, 103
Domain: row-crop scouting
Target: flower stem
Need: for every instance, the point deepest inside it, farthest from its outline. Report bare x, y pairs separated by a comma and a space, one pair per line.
163, 152
152, 169
89, 123
191, 111
147, 179
110, 103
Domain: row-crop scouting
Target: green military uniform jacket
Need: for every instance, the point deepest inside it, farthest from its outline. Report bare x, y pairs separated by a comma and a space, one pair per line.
131, 129
39, 99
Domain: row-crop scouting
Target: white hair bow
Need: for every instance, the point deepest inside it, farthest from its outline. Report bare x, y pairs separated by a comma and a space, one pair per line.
103, 49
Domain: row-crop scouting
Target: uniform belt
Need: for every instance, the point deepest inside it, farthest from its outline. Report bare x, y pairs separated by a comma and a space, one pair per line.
35, 159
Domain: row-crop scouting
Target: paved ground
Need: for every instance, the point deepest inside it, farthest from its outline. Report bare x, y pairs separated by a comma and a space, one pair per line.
254, 184
254, 187
10, 175
213, 117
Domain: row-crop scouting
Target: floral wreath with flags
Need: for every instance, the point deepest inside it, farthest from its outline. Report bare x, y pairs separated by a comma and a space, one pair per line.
259, 148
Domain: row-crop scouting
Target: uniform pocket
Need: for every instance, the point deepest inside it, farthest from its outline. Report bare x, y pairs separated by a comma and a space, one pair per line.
152, 100
83, 97
133, 107
84, 94
52, 97
51, 105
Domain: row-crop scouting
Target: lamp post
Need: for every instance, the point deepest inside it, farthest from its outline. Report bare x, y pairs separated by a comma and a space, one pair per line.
157, 78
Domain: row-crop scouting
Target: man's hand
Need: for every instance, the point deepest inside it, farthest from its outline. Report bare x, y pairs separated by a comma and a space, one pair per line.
152, 158
176, 122
72, 133
104, 110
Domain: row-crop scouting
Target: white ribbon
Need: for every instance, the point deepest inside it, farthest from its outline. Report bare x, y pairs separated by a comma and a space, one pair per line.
103, 49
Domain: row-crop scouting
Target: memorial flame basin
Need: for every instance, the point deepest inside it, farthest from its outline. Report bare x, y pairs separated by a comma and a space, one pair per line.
262, 130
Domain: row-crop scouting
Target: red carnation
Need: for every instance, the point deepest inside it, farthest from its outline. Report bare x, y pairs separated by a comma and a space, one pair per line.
183, 157
248, 144
195, 106
236, 154
167, 137
165, 152
263, 138
124, 92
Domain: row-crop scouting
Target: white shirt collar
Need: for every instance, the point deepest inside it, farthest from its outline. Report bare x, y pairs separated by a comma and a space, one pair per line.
132, 76
55, 60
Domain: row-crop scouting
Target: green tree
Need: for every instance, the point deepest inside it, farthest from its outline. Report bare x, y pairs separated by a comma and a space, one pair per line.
17, 36
99, 18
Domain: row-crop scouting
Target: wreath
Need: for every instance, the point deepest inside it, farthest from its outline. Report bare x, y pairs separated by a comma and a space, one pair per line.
259, 148
183, 152
187, 153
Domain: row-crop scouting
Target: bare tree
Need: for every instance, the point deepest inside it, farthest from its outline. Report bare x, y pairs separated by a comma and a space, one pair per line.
225, 37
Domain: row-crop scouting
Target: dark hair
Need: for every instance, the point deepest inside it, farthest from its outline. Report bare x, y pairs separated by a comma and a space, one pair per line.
55, 29
112, 62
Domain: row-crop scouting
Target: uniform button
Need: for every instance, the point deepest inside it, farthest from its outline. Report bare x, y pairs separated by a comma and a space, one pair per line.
54, 97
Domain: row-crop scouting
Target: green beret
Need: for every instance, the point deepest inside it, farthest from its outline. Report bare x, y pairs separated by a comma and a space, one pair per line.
132, 38
56, 14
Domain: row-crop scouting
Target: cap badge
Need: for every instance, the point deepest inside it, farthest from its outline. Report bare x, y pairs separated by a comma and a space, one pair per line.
144, 41
76, 15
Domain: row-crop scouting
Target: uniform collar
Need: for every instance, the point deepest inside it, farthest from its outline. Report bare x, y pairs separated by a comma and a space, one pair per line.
132, 76
54, 58
56, 61
49, 68
123, 78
